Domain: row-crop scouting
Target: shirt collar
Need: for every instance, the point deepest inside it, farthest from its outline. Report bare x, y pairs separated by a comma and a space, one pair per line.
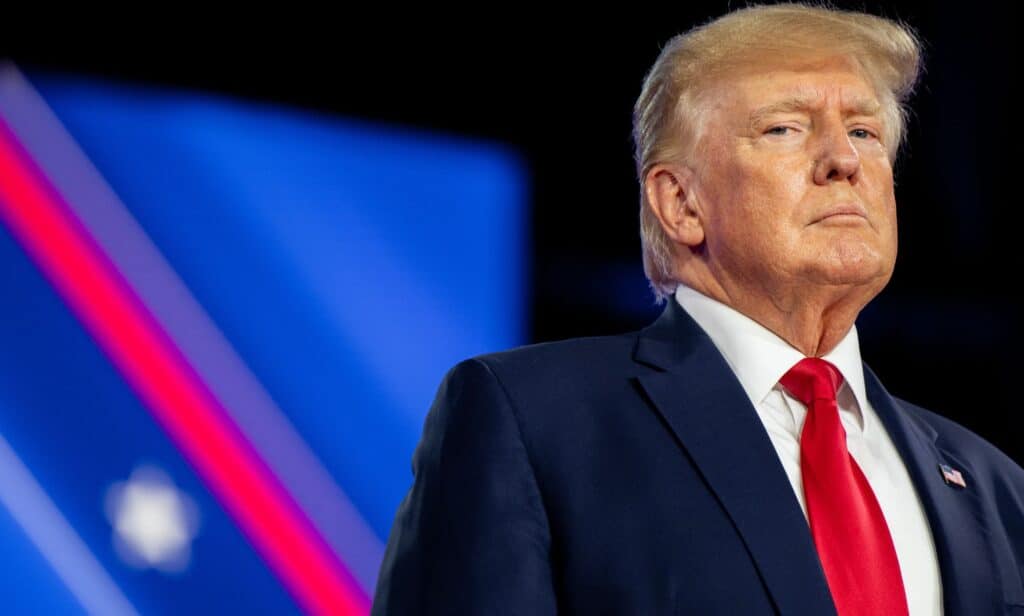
758, 356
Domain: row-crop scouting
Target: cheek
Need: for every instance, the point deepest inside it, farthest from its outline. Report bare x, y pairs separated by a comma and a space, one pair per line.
891, 221
770, 197
756, 221
751, 201
876, 174
881, 196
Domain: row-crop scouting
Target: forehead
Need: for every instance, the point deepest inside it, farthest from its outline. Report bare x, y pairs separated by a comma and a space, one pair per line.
779, 86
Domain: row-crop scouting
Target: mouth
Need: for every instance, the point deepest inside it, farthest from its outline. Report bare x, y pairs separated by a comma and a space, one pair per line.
843, 213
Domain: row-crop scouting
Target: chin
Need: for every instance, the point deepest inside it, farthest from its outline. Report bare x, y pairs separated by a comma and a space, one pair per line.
864, 274
855, 269
856, 262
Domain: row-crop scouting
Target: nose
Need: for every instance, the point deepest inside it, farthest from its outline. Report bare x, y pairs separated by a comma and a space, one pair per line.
838, 158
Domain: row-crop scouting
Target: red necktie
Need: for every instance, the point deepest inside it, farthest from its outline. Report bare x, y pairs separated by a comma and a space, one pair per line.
849, 531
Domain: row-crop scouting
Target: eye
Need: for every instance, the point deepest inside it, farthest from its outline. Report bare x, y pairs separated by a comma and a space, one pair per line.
778, 130
862, 133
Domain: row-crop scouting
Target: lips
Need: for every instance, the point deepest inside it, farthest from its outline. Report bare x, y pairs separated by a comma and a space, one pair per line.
843, 210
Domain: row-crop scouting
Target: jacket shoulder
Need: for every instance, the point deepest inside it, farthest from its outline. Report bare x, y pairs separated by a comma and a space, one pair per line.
572, 358
555, 381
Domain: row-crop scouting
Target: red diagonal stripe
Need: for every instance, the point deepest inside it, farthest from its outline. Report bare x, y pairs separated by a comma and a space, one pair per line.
168, 386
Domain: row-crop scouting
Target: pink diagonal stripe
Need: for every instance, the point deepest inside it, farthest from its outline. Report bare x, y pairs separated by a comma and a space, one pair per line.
170, 389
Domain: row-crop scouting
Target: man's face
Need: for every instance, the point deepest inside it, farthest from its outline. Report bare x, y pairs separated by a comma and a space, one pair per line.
794, 181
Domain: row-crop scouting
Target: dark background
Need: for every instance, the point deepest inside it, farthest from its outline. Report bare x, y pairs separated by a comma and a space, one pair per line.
559, 89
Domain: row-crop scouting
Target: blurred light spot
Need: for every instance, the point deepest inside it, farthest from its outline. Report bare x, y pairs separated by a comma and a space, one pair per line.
154, 522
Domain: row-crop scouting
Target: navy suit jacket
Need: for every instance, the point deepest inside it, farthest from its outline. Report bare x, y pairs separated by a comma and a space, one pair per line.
631, 475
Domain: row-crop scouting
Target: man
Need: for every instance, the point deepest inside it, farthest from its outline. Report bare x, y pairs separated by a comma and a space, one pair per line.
734, 457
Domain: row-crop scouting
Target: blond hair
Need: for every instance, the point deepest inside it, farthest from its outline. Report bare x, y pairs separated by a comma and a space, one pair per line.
667, 118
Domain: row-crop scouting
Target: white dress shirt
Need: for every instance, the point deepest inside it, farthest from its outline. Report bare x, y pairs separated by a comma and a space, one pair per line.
759, 358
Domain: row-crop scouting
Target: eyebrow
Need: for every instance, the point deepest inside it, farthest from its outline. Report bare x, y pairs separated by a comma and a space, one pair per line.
860, 106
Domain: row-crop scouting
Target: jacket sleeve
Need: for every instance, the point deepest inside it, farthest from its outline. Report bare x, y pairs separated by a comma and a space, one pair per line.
471, 535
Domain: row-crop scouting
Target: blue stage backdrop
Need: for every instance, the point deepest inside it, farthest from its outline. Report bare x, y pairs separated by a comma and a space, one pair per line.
315, 276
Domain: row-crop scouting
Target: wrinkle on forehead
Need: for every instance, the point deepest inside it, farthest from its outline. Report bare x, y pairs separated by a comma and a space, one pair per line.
769, 67
809, 99
751, 95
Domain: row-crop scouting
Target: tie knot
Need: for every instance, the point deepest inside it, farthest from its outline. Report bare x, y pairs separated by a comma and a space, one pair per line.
812, 379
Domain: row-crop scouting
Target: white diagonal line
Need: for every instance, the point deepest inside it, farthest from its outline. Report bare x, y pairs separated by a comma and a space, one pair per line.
56, 540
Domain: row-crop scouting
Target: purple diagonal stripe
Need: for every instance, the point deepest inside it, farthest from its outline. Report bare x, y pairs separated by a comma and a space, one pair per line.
155, 282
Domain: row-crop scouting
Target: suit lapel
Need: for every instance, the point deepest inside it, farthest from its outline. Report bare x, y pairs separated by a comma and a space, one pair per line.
969, 580
705, 407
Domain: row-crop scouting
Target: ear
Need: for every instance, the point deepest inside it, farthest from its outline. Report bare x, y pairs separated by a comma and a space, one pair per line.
670, 192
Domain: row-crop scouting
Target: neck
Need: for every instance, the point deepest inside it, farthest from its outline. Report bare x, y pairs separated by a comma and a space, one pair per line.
811, 318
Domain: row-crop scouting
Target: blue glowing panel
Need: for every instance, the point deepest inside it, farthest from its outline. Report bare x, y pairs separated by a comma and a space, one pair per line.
347, 265
28, 584
78, 427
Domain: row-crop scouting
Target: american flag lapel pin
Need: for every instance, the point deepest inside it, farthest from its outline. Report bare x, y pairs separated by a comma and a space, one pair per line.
952, 477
